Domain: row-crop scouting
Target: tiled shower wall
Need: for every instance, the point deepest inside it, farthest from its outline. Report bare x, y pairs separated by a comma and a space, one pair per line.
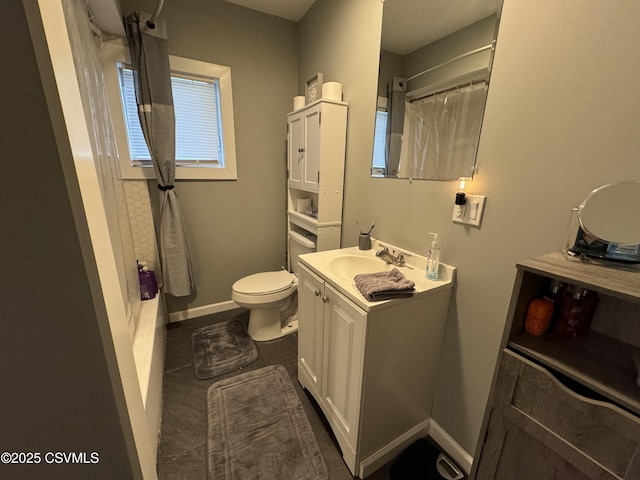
142, 226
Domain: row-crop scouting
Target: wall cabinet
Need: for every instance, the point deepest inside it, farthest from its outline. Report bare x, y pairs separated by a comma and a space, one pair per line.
371, 367
316, 141
566, 407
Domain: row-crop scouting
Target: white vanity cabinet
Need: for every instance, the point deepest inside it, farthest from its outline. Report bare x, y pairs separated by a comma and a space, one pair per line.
371, 366
316, 142
330, 353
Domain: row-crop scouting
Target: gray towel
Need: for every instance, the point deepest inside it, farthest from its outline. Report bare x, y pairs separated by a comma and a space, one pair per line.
384, 285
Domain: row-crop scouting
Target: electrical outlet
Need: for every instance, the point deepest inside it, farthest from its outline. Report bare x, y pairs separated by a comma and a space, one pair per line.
472, 210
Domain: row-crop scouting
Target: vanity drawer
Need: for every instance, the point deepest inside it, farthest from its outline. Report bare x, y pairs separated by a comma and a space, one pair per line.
539, 428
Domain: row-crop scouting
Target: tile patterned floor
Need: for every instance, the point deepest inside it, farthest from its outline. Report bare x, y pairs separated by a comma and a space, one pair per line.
182, 449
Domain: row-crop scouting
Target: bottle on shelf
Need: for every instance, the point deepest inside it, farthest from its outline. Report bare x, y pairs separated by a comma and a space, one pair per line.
542, 311
576, 311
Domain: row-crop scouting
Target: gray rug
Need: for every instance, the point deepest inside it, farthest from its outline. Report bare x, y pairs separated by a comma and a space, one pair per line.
257, 429
222, 348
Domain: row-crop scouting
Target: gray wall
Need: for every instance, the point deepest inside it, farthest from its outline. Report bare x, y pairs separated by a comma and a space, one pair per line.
57, 365
561, 120
237, 227
476, 35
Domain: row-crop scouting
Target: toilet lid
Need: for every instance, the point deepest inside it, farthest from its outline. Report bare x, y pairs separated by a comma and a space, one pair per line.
264, 283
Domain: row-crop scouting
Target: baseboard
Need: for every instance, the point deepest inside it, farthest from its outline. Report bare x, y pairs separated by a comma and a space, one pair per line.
450, 446
201, 311
393, 449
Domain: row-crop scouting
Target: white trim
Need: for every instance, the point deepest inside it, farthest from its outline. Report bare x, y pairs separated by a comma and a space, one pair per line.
450, 446
393, 449
429, 428
201, 311
114, 53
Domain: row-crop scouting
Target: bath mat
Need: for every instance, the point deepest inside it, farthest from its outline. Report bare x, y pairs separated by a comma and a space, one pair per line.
222, 348
256, 428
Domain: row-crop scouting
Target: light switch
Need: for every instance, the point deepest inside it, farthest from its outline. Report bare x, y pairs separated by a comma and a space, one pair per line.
473, 210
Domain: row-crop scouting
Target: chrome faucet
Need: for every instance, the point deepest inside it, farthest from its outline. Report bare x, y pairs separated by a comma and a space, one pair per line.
391, 258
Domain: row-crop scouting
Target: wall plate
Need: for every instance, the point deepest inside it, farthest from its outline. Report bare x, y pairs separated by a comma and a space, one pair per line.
472, 212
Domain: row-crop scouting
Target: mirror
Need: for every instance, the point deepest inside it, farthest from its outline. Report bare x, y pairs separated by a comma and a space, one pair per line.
435, 62
612, 213
606, 226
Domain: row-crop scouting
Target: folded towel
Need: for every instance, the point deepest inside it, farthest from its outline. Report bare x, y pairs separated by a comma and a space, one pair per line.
384, 285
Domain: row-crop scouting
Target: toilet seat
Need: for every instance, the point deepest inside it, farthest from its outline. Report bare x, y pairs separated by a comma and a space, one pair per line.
265, 283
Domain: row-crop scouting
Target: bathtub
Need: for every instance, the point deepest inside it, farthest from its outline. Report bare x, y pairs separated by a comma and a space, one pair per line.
148, 353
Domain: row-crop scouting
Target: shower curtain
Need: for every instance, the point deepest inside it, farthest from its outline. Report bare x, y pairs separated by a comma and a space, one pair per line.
86, 45
441, 133
395, 124
150, 62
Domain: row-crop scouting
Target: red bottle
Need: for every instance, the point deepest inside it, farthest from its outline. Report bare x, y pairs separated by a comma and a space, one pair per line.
576, 312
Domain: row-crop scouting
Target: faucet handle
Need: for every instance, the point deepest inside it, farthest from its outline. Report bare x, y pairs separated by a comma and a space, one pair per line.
401, 258
383, 251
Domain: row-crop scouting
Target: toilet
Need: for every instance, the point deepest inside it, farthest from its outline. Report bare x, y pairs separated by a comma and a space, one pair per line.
272, 297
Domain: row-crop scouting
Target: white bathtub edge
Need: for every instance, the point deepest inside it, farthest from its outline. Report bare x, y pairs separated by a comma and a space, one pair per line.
148, 353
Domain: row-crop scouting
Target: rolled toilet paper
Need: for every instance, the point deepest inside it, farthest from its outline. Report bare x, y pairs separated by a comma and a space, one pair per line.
332, 91
298, 102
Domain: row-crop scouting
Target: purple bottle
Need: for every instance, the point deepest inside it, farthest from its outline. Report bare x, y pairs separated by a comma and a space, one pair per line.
148, 282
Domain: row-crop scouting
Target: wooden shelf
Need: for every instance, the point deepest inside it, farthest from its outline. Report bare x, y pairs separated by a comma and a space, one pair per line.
624, 284
601, 363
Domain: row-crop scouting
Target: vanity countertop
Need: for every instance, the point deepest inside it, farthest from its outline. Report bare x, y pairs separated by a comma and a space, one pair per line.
330, 265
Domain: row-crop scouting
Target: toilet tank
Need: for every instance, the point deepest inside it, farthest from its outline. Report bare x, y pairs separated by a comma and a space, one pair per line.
300, 242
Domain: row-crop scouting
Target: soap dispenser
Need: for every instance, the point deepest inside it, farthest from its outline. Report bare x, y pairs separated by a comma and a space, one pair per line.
433, 258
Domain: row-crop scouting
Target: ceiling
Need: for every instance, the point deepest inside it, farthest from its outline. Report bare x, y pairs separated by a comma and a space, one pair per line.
290, 9
407, 24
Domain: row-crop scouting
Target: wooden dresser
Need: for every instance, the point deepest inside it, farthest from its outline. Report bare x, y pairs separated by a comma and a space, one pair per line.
566, 408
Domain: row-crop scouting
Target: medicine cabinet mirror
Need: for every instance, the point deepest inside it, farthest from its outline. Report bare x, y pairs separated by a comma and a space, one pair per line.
435, 63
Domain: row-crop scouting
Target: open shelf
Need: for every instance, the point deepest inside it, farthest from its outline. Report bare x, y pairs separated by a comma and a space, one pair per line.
307, 222
601, 363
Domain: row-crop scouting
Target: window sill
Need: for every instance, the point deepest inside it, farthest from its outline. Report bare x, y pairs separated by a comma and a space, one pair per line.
182, 173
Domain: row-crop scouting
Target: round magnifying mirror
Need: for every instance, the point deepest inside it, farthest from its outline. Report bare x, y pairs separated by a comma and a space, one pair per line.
612, 213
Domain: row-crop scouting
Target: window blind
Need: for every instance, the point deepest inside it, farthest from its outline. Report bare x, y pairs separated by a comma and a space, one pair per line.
380, 140
196, 103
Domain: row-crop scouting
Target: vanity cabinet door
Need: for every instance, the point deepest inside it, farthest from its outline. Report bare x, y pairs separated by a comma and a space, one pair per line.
310, 330
344, 335
540, 429
295, 149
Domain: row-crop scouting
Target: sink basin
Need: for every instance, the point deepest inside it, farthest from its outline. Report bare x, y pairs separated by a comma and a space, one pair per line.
348, 266
340, 266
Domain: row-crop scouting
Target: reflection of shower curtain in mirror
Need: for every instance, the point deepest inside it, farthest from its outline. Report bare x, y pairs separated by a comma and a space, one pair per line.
441, 132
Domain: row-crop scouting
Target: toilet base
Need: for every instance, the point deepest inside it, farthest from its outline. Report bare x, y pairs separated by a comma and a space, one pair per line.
265, 324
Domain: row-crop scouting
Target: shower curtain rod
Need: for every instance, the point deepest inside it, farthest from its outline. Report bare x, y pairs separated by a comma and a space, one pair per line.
151, 23
415, 97
491, 46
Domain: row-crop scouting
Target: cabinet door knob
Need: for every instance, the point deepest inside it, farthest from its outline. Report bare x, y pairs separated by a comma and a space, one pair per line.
300, 150
317, 292
325, 299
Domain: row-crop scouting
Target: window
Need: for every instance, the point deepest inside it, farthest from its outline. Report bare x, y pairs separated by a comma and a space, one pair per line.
379, 143
380, 139
205, 140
